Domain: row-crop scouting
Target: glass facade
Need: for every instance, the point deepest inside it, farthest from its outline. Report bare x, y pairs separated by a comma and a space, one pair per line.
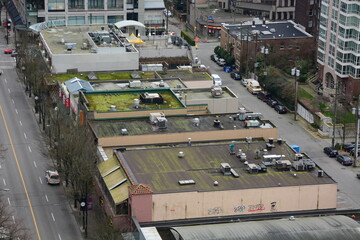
344, 46
76, 20
56, 5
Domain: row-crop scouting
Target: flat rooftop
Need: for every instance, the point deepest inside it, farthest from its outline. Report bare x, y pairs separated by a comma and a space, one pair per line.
186, 75
124, 100
142, 126
125, 84
270, 30
162, 169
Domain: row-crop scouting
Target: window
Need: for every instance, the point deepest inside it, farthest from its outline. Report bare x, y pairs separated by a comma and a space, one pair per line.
76, 20
331, 62
282, 46
97, 4
329, 81
333, 26
96, 19
76, 4
56, 5
114, 19
117, 4
310, 23
321, 56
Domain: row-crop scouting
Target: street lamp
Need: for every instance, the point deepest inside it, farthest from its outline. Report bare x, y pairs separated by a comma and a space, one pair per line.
36, 98
356, 111
296, 73
264, 50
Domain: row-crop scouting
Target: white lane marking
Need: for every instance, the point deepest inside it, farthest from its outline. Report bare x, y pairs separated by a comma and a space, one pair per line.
30, 151
40, 180
4, 181
20, 123
9, 90
46, 198
52, 215
35, 164
25, 136
13, 219
59, 236
9, 202
13, 101
5, 80
16, 111
0, 166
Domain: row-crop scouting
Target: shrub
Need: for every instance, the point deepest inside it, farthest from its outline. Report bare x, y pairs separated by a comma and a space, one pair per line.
188, 38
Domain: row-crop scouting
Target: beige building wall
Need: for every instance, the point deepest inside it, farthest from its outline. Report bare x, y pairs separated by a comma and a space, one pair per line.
185, 205
199, 136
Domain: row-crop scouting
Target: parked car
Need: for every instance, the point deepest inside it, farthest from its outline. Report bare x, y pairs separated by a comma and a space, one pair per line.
244, 82
235, 76
344, 159
214, 57
349, 146
8, 51
221, 62
281, 109
272, 103
263, 95
52, 177
358, 175
14, 53
352, 151
330, 151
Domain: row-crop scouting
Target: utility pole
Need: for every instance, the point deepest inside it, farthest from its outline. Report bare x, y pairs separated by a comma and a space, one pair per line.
357, 112
337, 86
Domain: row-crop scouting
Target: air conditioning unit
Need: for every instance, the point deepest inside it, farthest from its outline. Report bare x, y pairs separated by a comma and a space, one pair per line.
154, 116
161, 122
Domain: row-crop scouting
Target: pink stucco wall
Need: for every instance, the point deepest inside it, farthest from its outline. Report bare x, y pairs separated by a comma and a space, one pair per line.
141, 207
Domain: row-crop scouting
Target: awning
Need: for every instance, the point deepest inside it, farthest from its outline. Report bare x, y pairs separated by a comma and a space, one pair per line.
128, 23
136, 40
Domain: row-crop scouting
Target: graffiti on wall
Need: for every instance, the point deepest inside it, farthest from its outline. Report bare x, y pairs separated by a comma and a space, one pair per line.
256, 207
240, 208
214, 211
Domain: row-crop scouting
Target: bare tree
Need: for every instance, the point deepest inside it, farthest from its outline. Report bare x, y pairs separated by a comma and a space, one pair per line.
8, 228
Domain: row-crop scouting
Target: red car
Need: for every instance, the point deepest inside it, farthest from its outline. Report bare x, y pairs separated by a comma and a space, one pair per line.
8, 51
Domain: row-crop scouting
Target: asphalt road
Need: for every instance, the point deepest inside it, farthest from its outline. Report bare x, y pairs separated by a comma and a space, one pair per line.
42, 209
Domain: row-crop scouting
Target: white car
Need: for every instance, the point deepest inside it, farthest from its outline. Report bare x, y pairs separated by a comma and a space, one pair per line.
167, 13
52, 177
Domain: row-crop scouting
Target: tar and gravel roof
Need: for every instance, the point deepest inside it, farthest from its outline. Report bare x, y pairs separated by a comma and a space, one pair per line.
270, 30
142, 126
161, 168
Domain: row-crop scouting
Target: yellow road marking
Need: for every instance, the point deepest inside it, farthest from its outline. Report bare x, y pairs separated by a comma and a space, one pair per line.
21, 176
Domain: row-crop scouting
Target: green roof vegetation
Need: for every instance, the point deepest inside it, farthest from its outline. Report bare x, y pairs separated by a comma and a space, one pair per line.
185, 75
125, 101
103, 76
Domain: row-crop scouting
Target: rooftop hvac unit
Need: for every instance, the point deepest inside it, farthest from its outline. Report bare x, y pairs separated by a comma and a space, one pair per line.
124, 131
161, 122
225, 169
153, 116
112, 108
135, 84
136, 103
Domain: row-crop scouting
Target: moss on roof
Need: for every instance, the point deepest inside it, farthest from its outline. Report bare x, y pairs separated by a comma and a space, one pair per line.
124, 101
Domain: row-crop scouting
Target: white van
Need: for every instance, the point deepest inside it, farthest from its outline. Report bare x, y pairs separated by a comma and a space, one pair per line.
216, 80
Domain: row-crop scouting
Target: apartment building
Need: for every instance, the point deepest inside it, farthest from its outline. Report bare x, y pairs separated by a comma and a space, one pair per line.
90, 12
339, 47
307, 14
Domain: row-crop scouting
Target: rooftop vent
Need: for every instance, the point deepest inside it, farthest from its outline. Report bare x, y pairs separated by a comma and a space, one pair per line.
136, 103
320, 173
112, 108
161, 84
186, 182
196, 121
181, 154
216, 183
272, 30
124, 131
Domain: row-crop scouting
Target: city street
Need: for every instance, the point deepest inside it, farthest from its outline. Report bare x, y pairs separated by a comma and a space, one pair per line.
41, 208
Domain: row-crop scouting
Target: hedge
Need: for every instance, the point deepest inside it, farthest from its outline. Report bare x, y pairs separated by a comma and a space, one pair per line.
187, 38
